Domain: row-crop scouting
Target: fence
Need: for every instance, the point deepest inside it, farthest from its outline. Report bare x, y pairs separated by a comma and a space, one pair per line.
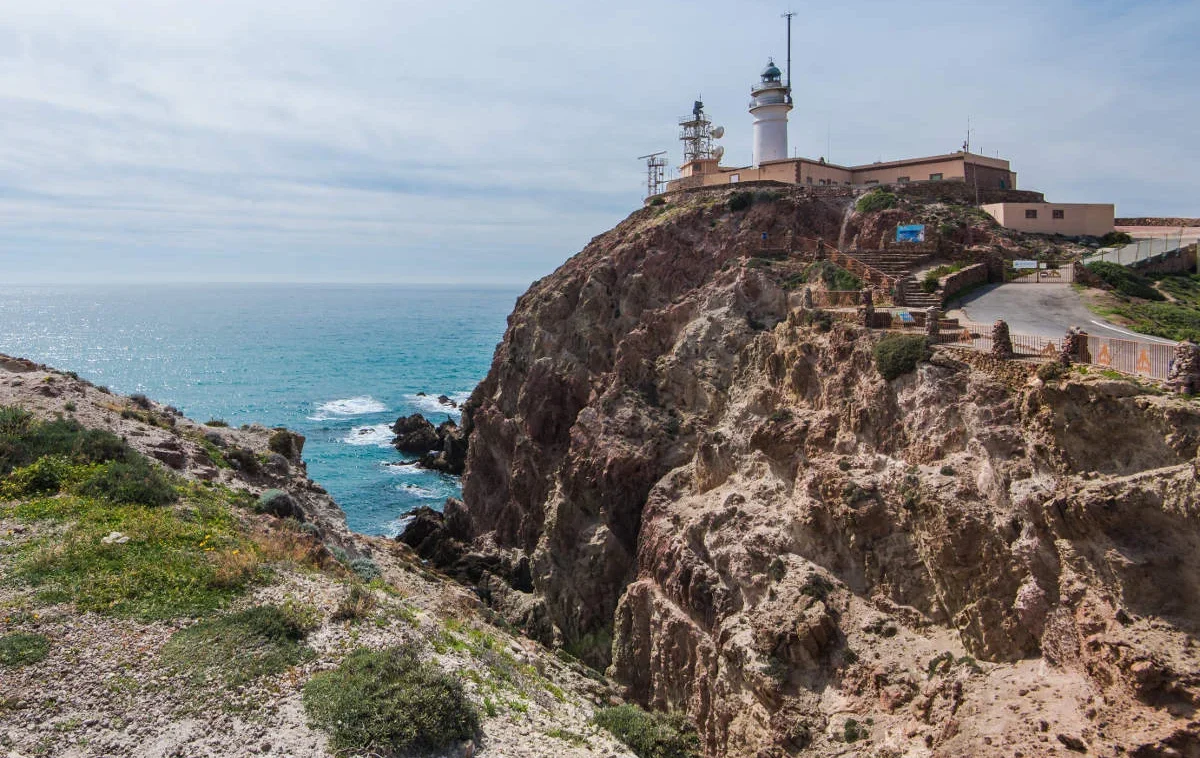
1062, 275
1151, 359
1141, 249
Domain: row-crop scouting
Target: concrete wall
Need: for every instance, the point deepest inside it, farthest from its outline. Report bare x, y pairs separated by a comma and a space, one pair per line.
1182, 261
885, 173
992, 173
1093, 219
822, 173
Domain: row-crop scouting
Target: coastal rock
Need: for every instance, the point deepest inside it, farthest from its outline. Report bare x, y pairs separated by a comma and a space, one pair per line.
724, 504
442, 448
414, 434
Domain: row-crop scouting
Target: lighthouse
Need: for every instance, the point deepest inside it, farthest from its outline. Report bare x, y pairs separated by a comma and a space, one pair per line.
770, 103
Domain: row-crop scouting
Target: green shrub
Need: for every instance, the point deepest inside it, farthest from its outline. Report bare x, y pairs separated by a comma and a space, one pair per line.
22, 648
876, 200
834, 276
650, 735
279, 504
822, 321
134, 482
389, 701
357, 605
239, 647
852, 731
220, 422
244, 460
930, 283
658, 200
1115, 238
140, 401
740, 201
24, 439
898, 354
1124, 281
284, 442
1051, 371
45, 475
366, 569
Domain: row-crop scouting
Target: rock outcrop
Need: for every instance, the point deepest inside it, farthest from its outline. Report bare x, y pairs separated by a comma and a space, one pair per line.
441, 448
675, 474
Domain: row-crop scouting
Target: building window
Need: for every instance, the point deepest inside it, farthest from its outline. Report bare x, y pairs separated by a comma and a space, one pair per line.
935, 177
809, 180
903, 180
1059, 213
733, 178
872, 181
1031, 213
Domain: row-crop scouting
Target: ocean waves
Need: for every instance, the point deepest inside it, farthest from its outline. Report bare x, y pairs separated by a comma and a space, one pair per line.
379, 435
348, 407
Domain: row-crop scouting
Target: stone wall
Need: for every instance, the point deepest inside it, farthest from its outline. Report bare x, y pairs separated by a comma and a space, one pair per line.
963, 193
975, 274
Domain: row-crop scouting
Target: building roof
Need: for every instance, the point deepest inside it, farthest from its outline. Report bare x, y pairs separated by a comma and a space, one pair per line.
771, 73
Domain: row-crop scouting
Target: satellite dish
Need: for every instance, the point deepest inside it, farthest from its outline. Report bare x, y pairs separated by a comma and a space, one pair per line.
718, 151
718, 132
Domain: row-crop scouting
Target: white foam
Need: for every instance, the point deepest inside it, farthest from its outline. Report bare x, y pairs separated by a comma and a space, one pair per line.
379, 435
394, 528
429, 404
350, 406
403, 468
425, 493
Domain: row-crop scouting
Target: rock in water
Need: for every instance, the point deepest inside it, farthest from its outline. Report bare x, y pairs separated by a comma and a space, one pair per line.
414, 434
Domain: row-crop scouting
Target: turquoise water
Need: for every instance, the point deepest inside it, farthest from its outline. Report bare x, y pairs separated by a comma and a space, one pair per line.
337, 363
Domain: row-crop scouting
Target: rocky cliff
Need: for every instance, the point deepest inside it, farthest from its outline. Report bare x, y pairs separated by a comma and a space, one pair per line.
675, 474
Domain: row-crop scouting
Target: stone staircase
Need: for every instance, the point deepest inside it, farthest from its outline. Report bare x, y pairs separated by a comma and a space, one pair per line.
890, 269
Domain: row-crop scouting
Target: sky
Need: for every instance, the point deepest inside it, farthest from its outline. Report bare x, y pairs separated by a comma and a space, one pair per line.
486, 142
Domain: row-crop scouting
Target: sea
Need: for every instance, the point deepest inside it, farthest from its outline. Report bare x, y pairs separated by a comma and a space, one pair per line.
337, 363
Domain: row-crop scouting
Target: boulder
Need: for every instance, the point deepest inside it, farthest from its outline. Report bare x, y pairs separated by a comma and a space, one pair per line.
415, 434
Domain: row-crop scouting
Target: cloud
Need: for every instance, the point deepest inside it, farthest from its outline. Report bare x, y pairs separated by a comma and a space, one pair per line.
479, 142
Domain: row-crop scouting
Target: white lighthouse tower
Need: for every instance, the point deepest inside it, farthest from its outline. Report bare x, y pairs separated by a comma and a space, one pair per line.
772, 99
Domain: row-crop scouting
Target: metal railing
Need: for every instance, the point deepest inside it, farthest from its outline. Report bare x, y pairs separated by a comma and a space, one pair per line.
1133, 357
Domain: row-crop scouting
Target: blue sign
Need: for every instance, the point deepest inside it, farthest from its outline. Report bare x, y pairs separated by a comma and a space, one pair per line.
910, 233
906, 318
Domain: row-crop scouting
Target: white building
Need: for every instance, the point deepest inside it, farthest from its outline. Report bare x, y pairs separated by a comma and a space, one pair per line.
772, 99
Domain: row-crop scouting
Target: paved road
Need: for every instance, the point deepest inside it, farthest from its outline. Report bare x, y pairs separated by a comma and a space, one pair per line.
1047, 310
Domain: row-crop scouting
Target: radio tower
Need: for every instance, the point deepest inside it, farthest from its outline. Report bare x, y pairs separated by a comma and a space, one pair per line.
696, 133
656, 165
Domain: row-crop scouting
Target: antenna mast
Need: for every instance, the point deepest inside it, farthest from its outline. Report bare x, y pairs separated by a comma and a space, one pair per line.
656, 164
788, 16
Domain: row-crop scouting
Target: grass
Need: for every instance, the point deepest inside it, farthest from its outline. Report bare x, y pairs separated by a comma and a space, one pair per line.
239, 647
1176, 319
650, 735
183, 562
389, 701
1125, 281
357, 605
22, 648
898, 354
